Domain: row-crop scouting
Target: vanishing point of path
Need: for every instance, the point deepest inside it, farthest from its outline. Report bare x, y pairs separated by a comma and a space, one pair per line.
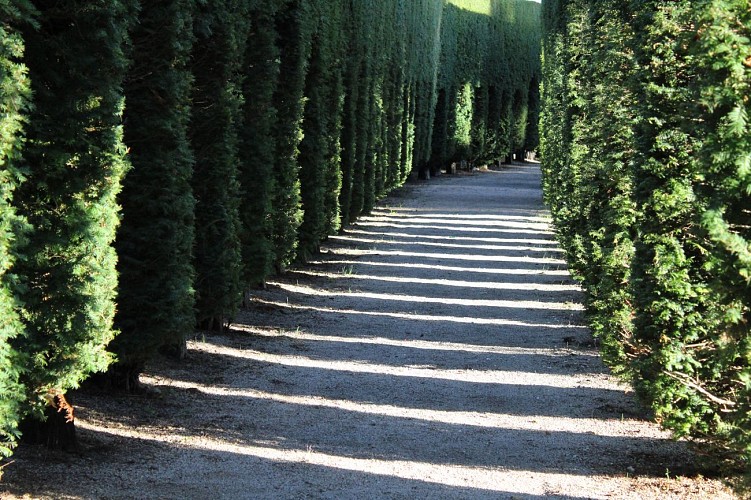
435, 350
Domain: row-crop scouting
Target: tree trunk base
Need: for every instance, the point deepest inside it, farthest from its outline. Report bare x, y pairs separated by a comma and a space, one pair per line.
57, 431
120, 378
177, 350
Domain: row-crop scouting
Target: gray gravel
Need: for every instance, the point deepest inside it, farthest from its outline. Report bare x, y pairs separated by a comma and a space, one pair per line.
435, 350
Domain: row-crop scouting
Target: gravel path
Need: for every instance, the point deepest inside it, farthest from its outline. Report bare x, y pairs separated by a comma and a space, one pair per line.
436, 350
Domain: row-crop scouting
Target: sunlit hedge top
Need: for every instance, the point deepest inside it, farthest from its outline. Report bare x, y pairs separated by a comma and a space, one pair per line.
503, 52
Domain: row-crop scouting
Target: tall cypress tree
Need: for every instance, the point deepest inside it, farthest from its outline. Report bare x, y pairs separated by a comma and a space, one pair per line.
75, 160
321, 129
257, 144
333, 175
606, 185
14, 108
670, 298
155, 293
721, 97
396, 115
221, 29
463, 122
353, 64
478, 149
293, 28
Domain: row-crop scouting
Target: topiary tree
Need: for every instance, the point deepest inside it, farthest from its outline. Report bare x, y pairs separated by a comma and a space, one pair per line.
155, 292
221, 29
14, 108
257, 146
75, 160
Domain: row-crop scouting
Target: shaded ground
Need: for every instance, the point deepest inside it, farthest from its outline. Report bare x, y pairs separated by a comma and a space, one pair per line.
436, 350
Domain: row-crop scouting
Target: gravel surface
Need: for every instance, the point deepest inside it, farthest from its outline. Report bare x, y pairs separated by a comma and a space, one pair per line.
435, 350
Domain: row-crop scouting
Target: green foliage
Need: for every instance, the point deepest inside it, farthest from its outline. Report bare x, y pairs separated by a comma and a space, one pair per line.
294, 33
721, 94
155, 294
489, 55
319, 150
221, 31
257, 145
646, 167
75, 160
462, 136
14, 108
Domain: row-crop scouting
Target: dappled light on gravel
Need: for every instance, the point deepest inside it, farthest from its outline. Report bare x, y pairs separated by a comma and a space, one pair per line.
438, 267
429, 372
479, 478
493, 285
518, 304
412, 343
436, 349
424, 317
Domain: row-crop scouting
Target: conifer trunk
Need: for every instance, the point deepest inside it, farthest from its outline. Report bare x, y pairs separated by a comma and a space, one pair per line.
57, 430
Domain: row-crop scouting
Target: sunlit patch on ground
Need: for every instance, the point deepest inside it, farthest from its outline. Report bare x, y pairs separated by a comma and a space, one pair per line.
435, 350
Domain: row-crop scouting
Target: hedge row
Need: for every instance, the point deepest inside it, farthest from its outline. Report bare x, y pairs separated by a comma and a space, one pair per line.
158, 160
647, 167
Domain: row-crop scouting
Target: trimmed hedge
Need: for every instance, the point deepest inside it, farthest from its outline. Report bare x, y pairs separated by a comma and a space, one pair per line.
15, 96
646, 166
74, 159
254, 129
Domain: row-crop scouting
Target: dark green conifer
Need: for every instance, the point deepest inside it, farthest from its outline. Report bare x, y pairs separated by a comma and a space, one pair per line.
353, 63
155, 239
257, 144
669, 297
14, 109
722, 97
293, 29
319, 168
75, 160
221, 28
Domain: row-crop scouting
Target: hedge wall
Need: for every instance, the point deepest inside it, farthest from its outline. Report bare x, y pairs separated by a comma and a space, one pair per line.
14, 109
646, 165
487, 82
250, 130
74, 158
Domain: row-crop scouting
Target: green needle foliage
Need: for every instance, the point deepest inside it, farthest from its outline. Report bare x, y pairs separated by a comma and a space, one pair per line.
257, 146
723, 59
487, 82
221, 30
14, 108
75, 160
646, 168
294, 41
320, 172
255, 129
155, 294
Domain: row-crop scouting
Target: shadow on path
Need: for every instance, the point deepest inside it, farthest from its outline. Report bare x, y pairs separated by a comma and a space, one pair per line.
436, 349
